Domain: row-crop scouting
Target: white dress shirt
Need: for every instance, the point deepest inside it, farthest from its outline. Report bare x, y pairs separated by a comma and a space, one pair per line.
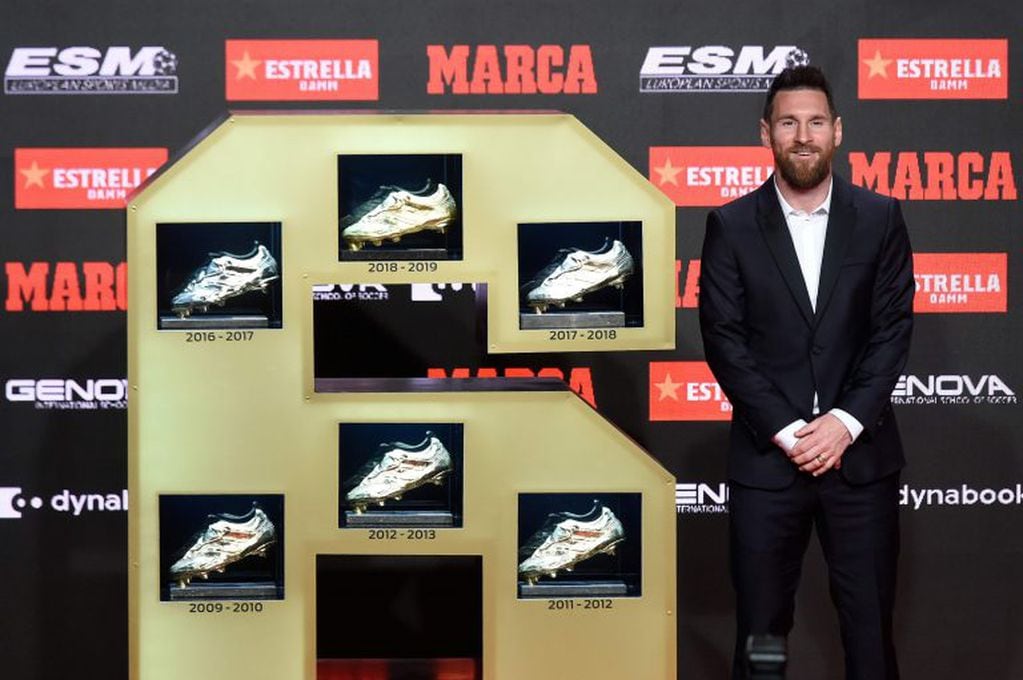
808, 231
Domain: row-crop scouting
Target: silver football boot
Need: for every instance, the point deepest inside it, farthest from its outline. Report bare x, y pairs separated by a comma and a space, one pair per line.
225, 276
395, 212
576, 272
401, 468
227, 539
573, 539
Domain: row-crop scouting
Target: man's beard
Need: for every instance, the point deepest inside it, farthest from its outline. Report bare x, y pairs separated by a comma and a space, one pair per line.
804, 176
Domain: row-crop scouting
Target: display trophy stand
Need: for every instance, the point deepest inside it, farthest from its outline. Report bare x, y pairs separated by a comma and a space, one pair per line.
244, 447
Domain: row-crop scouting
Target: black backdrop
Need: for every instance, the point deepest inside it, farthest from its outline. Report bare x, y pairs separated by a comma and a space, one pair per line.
62, 444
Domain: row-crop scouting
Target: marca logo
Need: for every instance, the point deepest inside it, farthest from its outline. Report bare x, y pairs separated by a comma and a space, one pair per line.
68, 394
933, 69
514, 69
952, 390
580, 380
302, 70
709, 175
13, 503
716, 68
88, 70
936, 175
80, 178
687, 295
66, 287
960, 282
700, 498
686, 390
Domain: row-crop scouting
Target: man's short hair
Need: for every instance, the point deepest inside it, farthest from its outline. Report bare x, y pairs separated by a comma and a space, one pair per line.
799, 78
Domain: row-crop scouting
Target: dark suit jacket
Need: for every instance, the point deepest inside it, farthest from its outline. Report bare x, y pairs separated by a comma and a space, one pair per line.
770, 351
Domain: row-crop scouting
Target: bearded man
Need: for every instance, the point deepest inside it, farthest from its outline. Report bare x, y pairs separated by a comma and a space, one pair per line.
806, 297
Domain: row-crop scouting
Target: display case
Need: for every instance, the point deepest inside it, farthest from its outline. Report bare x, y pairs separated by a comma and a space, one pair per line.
580, 275
400, 206
400, 475
218, 275
399, 616
580, 545
221, 547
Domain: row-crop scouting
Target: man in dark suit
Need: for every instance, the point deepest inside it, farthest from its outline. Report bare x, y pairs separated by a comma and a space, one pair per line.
806, 295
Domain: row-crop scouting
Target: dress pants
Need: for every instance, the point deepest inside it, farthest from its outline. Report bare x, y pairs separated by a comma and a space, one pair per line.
858, 528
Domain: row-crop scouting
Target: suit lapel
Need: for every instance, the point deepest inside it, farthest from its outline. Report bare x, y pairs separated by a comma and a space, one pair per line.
779, 242
841, 222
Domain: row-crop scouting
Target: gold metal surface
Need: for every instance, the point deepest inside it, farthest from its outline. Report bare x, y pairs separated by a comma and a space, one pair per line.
241, 417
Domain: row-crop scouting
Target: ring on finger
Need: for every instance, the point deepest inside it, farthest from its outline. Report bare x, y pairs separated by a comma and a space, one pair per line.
820, 458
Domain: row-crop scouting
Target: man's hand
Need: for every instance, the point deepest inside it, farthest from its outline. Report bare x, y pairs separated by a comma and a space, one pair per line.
821, 445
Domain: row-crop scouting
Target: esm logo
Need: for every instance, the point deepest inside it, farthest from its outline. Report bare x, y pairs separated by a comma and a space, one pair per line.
88, 70
512, 69
716, 68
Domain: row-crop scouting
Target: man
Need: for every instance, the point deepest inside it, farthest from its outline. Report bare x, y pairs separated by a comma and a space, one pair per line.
806, 295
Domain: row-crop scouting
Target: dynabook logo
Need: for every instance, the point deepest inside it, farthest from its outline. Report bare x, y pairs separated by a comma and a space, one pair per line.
952, 390
66, 287
88, 70
80, 178
709, 175
716, 68
960, 282
686, 390
68, 394
14, 504
511, 69
962, 495
933, 69
701, 498
936, 175
302, 70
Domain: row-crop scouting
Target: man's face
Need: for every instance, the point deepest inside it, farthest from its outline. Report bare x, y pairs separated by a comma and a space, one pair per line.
803, 137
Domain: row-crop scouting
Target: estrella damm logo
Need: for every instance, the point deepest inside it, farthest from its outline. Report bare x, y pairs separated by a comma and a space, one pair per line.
302, 70
933, 68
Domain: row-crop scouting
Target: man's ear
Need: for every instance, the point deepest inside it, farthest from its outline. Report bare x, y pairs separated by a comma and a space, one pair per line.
765, 133
838, 131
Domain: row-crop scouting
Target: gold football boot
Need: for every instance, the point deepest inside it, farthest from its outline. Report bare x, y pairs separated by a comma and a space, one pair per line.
225, 276
394, 212
401, 468
571, 540
574, 273
227, 539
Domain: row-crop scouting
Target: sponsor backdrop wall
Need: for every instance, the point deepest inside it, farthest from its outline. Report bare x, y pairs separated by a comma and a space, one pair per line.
96, 96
